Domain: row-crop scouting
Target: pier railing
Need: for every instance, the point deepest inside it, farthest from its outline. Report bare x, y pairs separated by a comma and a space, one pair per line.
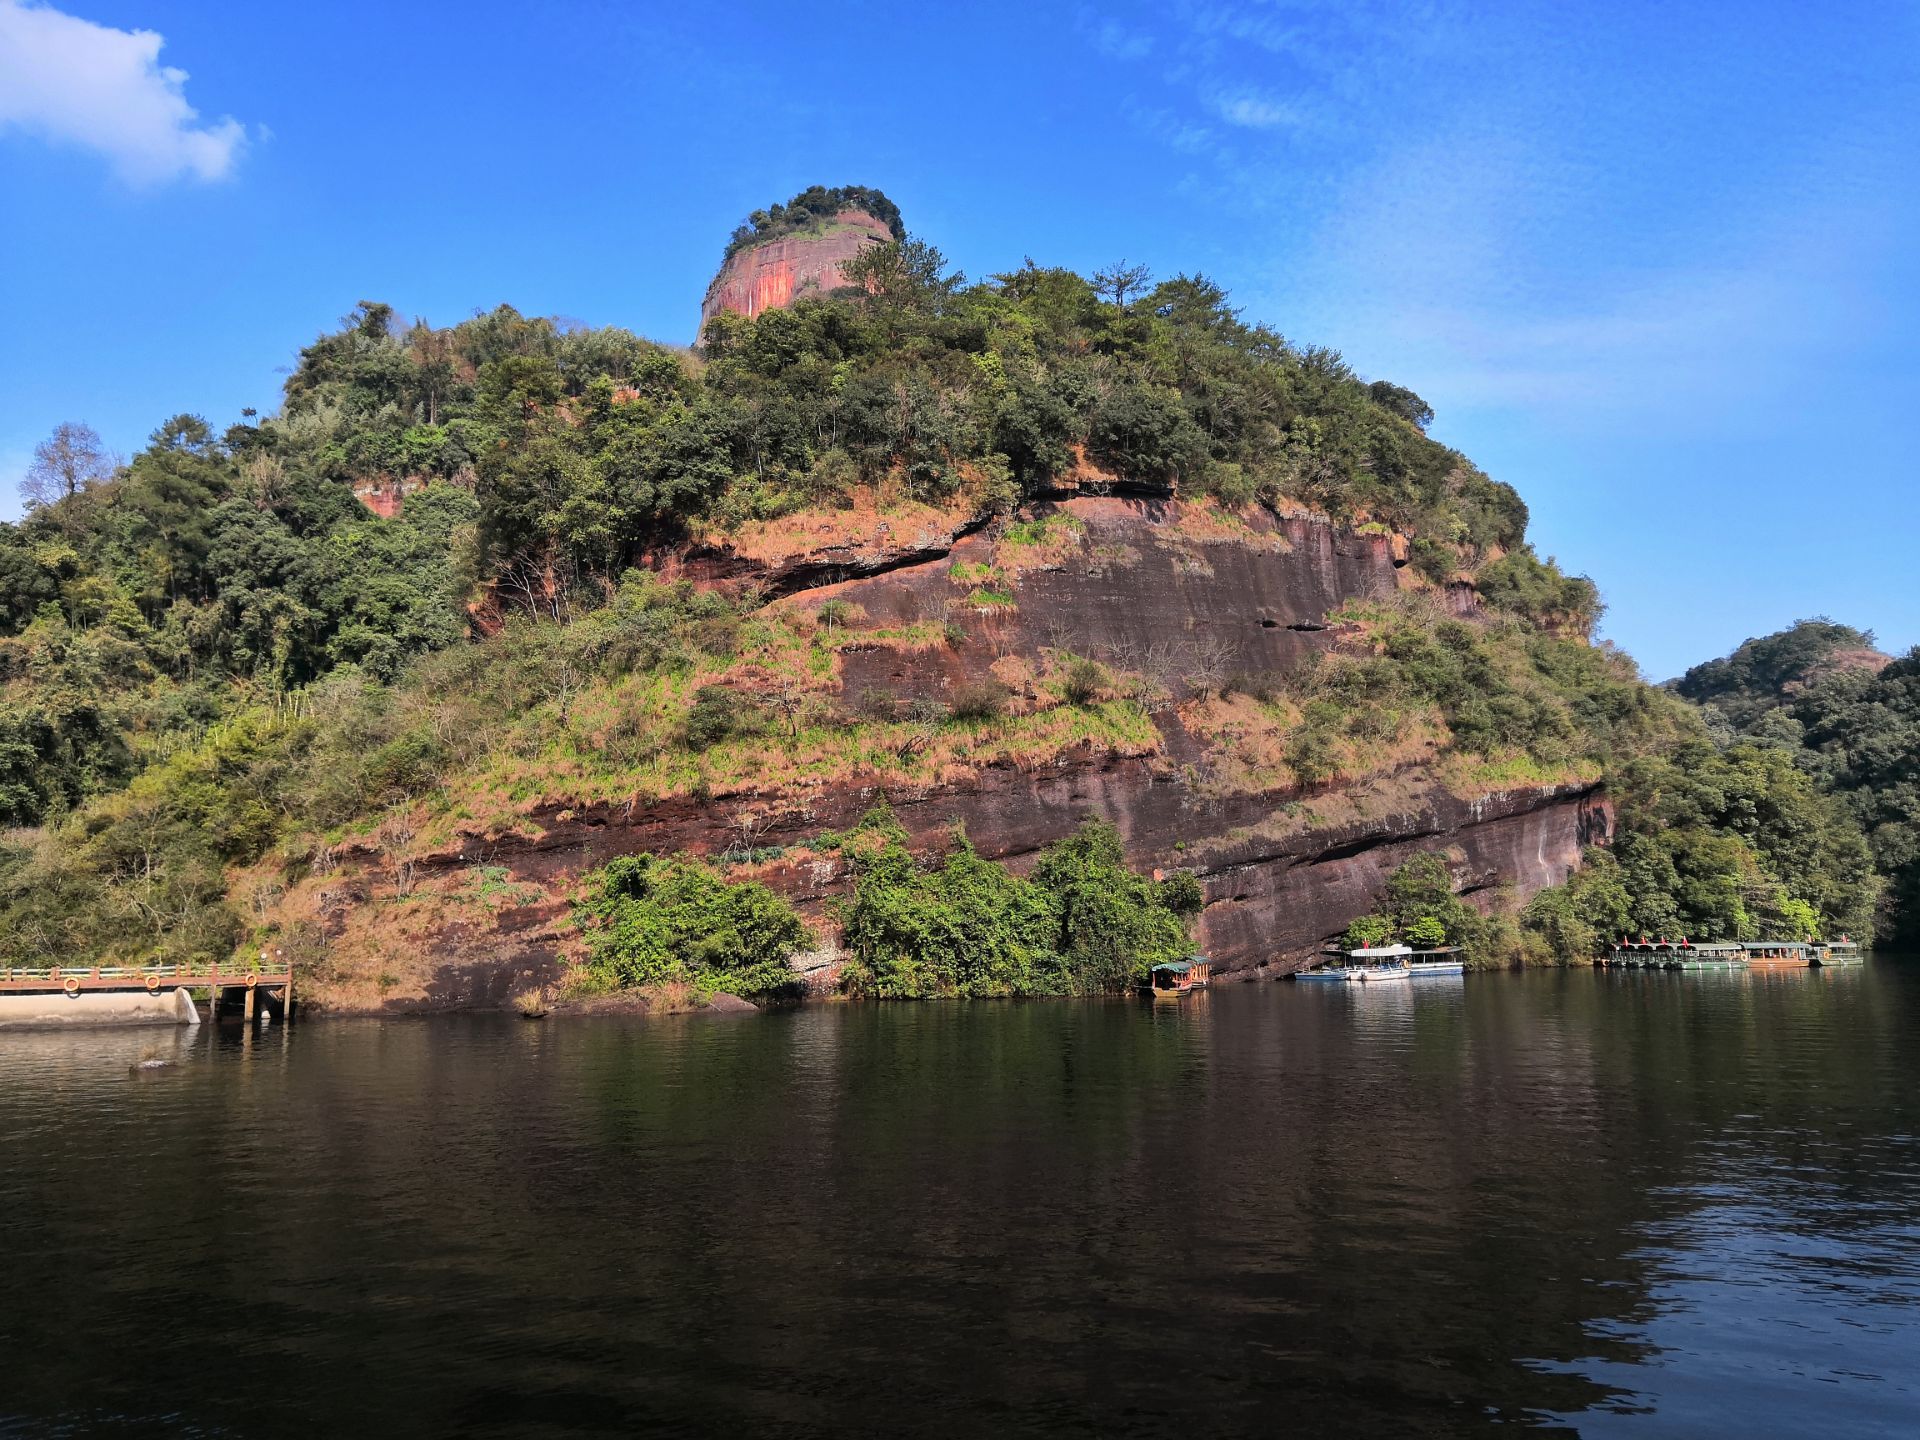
208, 975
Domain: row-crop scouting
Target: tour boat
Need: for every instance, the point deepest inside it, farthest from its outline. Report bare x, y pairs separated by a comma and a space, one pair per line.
1681, 954
1337, 973
1778, 954
1684, 954
1175, 978
1720, 955
1375, 963
1425, 964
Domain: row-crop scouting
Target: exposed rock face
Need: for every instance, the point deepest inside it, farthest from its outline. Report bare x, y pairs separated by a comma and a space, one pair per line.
385, 494
1274, 893
775, 273
1283, 867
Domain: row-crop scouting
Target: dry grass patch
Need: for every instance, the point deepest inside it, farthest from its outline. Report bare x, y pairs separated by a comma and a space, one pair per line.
1207, 522
1255, 745
870, 521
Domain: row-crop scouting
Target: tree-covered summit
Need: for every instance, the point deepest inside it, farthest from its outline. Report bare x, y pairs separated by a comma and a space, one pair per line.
813, 206
1819, 696
1768, 670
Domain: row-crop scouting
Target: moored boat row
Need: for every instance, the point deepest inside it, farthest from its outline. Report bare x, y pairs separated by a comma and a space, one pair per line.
1684, 954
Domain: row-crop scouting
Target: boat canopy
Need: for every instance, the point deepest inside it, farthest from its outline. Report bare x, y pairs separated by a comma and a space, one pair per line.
1703, 946
1173, 967
1381, 952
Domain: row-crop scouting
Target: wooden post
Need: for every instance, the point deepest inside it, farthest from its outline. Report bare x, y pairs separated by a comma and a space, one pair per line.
252, 992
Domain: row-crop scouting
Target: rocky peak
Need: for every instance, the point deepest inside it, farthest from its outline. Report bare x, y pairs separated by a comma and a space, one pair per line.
772, 273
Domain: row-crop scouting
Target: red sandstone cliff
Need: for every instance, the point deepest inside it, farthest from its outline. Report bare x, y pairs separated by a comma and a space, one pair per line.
775, 273
1283, 866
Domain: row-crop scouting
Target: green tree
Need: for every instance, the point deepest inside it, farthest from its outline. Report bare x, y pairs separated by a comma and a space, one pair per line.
652, 921
1367, 932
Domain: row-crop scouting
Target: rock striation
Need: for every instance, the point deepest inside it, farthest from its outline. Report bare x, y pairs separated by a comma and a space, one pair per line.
776, 272
1284, 867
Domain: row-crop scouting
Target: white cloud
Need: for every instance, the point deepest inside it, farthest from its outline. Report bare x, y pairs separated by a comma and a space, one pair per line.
79, 83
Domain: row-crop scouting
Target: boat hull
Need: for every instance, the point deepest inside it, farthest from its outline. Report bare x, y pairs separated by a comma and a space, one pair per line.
1172, 992
1381, 974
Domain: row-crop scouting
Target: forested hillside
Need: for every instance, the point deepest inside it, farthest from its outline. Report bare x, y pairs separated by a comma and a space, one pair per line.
222, 674
1847, 716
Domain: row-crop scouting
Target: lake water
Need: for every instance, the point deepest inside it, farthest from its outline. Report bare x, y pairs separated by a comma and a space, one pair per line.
1654, 1204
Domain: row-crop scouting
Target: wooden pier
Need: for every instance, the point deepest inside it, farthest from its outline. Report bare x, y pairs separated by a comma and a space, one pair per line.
253, 981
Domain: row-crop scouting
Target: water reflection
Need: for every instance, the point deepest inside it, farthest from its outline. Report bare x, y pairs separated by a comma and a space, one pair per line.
1427, 1206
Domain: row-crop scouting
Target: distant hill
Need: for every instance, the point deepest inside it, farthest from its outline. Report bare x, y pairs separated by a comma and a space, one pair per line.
1768, 672
1849, 716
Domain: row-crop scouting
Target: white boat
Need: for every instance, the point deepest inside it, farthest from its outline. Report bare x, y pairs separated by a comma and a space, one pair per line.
1378, 974
1436, 962
1339, 974
1380, 962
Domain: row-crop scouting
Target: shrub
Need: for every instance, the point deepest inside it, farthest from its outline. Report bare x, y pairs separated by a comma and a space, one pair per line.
925, 710
1113, 924
978, 700
1521, 584
652, 921
1311, 752
1083, 682
716, 714
1081, 924
717, 635
1266, 686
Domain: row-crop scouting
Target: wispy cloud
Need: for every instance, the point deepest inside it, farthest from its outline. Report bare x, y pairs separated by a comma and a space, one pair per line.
1258, 112
1115, 40
1176, 132
74, 82
1524, 235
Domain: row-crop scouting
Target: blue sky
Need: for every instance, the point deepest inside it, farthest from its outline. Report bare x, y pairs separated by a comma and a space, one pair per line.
1654, 264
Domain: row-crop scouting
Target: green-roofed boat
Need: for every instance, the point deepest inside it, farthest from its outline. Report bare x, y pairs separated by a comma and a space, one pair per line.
1838, 952
1175, 978
1684, 954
